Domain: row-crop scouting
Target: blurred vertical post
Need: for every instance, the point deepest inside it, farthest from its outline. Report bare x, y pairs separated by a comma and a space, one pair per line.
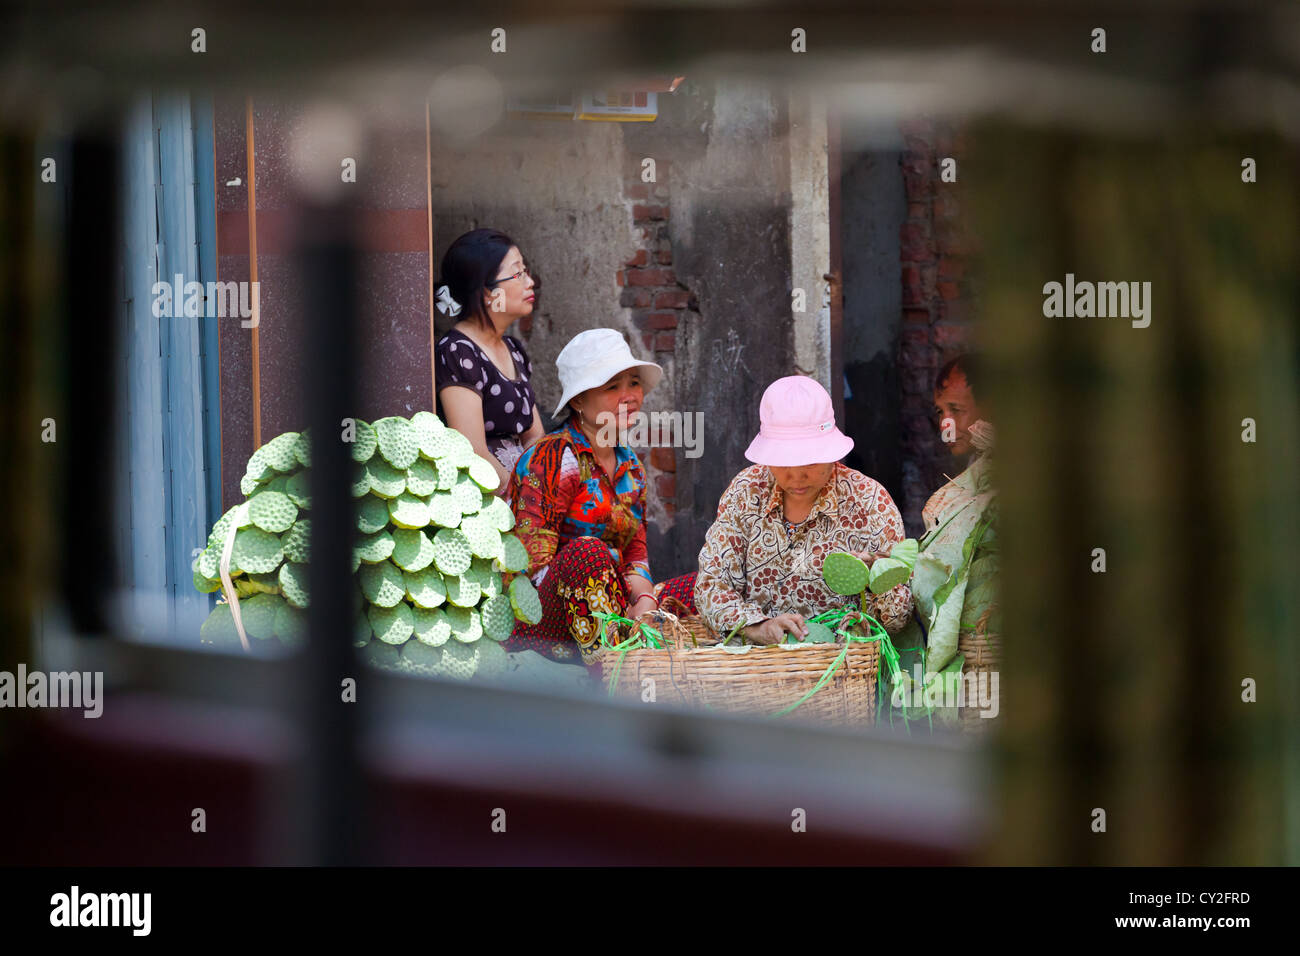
86, 435
1124, 444
20, 287
328, 812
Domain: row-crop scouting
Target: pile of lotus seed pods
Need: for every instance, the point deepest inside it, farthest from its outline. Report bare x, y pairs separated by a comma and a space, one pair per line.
432, 544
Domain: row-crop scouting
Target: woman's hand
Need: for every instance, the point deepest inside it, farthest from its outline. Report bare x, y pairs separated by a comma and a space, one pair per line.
774, 629
869, 557
641, 604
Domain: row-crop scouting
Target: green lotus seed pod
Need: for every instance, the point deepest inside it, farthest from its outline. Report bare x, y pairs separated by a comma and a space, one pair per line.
259, 469
293, 583
422, 478
397, 442
218, 629
481, 573
302, 448
525, 600
383, 585
264, 583
465, 624
483, 474
385, 480
372, 514
492, 660
514, 556
467, 496
298, 488
364, 442
498, 513
381, 655
432, 627
484, 539
360, 485
459, 450
374, 548
462, 592
423, 660
296, 542
272, 511
425, 588
459, 661
291, 626
412, 549
278, 483
248, 485
209, 562
278, 452
218, 536
844, 573
360, 629
258, 615
435, 446
443, 510
392, 625
451, 552
257, 551
498, 617
408, 511
427, 427
819, 634
887, 573
205, 585
448, 473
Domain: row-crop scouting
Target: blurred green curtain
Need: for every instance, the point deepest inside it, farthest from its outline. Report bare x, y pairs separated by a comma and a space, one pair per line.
1123, 689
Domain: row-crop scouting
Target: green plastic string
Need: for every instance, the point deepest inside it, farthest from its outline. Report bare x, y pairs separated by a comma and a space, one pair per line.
638, 639
843, 618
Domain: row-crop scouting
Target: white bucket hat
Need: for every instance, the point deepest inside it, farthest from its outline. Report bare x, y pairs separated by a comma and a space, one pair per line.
592, 358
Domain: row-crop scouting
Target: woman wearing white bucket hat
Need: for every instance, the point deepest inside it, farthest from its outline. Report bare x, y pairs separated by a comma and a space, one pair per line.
761, 565
579, 501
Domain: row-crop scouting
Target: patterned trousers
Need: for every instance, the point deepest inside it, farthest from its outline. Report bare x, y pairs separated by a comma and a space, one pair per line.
582, 579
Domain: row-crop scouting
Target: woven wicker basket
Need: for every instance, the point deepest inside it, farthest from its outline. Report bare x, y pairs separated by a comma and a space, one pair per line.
983, 656
760, 681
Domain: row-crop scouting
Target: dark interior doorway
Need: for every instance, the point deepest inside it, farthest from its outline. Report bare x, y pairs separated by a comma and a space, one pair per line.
873, 207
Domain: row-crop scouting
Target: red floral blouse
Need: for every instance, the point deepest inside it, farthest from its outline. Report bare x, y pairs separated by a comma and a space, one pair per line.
559, 492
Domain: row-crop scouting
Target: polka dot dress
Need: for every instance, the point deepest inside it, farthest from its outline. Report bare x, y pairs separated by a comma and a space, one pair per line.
507, 403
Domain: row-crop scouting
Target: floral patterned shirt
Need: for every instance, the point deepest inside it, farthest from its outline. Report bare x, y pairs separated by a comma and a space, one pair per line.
559, 492
753, 568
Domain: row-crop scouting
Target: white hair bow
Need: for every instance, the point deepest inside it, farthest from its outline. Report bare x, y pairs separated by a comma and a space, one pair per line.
446, 304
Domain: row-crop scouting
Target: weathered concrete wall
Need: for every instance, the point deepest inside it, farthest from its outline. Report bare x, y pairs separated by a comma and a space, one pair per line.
810, 234
730, 237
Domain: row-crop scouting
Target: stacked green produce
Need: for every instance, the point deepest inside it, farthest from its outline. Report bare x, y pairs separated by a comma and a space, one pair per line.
432, 543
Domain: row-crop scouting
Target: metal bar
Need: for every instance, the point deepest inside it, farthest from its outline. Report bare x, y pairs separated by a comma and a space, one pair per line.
87, 432
329, 809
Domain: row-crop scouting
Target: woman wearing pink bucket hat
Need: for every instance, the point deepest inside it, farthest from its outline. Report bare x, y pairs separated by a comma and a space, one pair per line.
761, 565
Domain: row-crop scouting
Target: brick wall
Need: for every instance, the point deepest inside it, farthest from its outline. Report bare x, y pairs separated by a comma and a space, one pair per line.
937, 303
658, 302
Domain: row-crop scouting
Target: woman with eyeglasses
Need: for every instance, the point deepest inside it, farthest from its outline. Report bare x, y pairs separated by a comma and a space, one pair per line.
482, 373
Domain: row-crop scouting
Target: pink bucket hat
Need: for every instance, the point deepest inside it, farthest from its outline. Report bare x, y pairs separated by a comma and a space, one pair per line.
797, 426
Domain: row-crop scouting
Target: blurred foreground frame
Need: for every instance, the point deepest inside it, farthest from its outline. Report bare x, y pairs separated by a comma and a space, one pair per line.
1124, 688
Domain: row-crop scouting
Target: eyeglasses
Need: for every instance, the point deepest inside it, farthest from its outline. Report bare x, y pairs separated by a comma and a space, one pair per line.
521, 272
